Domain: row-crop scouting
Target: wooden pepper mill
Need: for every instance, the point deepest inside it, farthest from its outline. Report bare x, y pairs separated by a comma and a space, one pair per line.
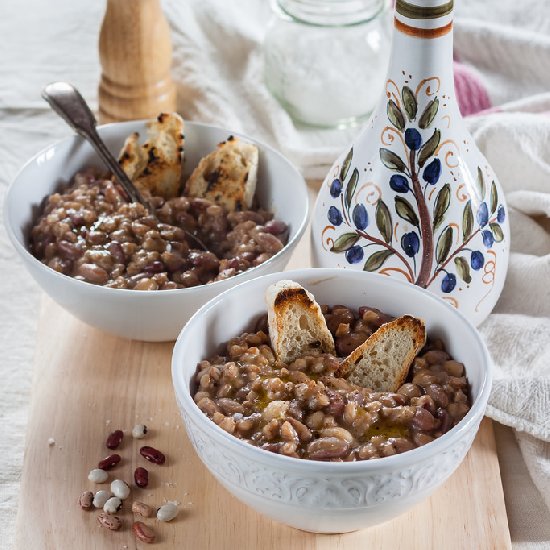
135, 51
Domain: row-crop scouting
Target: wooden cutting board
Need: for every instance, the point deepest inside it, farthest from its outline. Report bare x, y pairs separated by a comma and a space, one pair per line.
87, 384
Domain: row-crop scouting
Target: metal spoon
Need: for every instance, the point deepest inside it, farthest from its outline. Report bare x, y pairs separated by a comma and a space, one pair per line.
67, 102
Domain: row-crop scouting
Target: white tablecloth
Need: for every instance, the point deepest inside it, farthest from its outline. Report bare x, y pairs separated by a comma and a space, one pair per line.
45, 41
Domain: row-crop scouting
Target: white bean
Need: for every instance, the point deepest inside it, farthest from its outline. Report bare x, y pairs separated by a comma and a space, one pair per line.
100, 498
120, 489
97, 475
139, 431
112, 506
167, 512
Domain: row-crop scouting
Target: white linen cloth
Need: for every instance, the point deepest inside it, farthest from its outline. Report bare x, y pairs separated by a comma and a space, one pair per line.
218, 68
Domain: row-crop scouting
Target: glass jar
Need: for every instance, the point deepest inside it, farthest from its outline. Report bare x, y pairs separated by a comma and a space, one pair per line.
325, 60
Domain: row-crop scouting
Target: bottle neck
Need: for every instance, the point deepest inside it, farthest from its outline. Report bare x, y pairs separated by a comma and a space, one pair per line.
331, 13
422, 44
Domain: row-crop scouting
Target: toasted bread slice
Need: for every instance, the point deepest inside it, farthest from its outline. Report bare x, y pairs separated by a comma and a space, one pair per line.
296, 324
156, 166
227, 175
382, 362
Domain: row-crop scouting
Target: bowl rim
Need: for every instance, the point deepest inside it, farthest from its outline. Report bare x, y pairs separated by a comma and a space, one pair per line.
75, 138
334, 468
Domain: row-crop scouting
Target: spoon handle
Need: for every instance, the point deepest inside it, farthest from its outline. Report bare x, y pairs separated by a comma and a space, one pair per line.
67, 102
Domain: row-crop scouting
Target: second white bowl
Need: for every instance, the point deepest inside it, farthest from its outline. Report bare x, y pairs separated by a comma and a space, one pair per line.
156, 315
328, 497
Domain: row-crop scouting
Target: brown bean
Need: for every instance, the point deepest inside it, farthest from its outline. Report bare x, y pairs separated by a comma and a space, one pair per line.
423, 421
458, 411
446, 420
436, 356
109, 462
350, 413
437, 393
207, 406
113, 523
349, 342
68, 251
424, 401
288, 433
142, 509
409, 390
301, 429
315, 420
327, 448
93, 274
343, 328
339, 433
141, 477
271, 430
402, 416
143, 533
228, 424
172, 260
336, 404
401, 444
117, 253
367, 451
146, 284
114, 439
386, 449
420, 438
424, 378
275, 227
454, 368
230, 406
85, 500
154, 267
268, 242
152, 455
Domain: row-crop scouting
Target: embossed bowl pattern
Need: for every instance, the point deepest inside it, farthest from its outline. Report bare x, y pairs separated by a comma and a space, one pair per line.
318, 496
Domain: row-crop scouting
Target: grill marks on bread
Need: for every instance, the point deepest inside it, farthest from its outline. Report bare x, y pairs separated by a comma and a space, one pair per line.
227, 175
296, 323
156, 166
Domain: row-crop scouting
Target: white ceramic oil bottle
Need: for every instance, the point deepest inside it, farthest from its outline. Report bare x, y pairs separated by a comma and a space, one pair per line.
413, 197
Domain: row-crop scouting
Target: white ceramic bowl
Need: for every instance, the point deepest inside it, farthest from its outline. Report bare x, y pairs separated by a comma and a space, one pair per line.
318, 496
144, 315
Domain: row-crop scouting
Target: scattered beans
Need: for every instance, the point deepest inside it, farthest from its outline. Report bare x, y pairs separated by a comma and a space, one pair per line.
112, 506
110, 502
141, 477
100, 498
114, 439
139, 431
167, 512
120, 489
97, 475
302, 410
113, 523
143, 533
152, 455
142, 509
86, 500
109, 462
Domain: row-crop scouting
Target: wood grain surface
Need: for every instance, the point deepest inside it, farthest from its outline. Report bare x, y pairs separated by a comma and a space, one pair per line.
87, 383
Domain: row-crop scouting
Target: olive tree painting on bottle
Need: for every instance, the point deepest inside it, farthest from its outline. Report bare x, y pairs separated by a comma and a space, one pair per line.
429, 246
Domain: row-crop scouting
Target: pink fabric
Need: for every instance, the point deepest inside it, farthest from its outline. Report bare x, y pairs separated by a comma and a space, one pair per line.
471, 94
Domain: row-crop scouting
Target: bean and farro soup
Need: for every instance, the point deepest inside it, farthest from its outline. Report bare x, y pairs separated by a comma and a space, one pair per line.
90, 232
303, 410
